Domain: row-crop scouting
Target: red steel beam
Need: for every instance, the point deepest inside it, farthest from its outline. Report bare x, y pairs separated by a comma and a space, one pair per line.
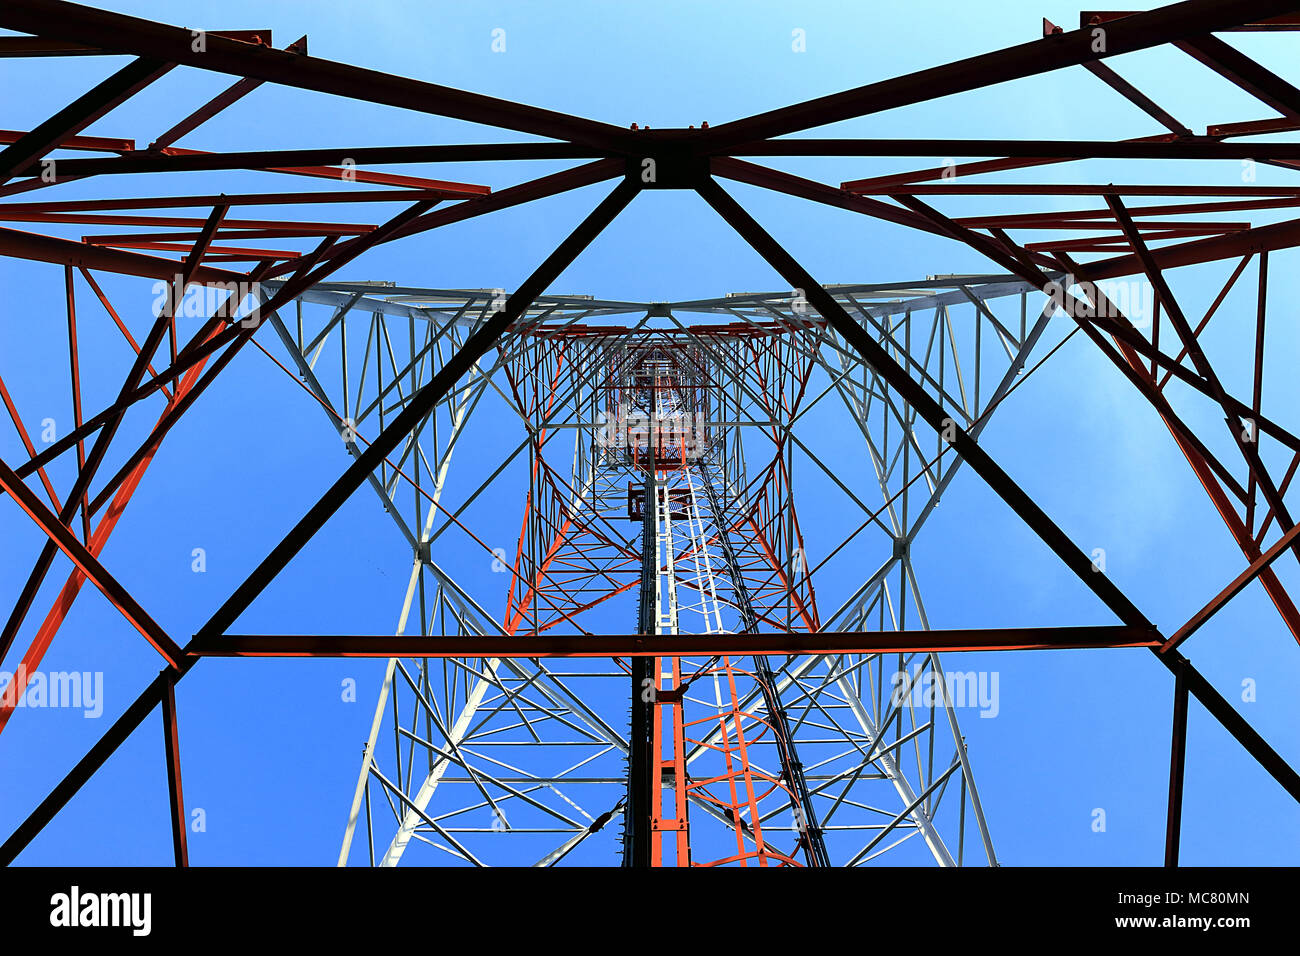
229, 253
96, 144
324, 161
183, 222
1110, 243
336, 173
245, 199
1283, 124
1077, 216
30, 245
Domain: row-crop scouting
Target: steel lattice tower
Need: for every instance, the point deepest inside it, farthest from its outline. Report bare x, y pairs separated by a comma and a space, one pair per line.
622, 404
706, 642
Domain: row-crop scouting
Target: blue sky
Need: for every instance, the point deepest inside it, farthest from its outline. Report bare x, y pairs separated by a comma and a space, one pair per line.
271, 753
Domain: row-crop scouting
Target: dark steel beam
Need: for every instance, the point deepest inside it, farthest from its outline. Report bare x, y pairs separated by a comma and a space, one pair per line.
644, 778
176, 796
1177, 760
674, 645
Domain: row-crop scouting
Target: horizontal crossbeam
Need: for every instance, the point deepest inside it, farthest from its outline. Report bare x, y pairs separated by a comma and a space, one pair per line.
672, 645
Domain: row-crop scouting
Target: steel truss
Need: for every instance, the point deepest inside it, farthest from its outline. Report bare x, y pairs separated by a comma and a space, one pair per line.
803, 753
